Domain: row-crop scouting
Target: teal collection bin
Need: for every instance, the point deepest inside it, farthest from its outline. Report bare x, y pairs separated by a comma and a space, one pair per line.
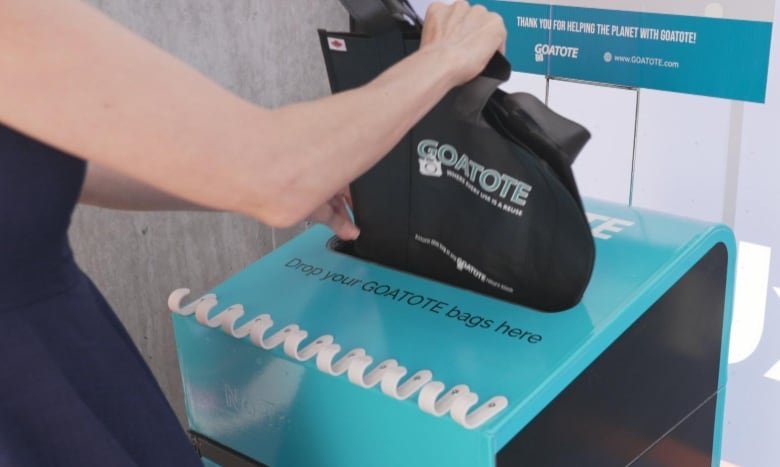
310, 357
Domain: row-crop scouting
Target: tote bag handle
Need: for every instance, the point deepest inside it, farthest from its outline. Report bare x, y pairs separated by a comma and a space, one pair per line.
375, 17
472, 97
384, 18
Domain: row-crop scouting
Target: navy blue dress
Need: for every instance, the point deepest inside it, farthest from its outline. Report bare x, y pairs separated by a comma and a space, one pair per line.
74, 390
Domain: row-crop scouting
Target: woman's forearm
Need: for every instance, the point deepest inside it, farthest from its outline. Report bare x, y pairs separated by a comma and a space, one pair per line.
108, 189
71, 77
325, 144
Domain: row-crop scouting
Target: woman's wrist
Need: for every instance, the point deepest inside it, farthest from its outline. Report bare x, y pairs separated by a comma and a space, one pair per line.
444, 65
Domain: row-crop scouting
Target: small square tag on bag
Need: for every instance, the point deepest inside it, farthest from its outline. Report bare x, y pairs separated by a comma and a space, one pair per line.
337, 44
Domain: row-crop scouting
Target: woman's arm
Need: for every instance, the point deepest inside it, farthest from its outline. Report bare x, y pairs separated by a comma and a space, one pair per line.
108, 189
71, 77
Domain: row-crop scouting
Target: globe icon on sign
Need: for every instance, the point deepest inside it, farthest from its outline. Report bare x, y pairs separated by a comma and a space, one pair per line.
607, 57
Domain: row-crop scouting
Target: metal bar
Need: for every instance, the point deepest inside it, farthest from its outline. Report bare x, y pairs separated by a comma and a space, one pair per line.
221, 454
594, 83
633, 153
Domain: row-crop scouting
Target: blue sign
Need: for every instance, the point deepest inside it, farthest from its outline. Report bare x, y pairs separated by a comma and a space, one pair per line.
711, 56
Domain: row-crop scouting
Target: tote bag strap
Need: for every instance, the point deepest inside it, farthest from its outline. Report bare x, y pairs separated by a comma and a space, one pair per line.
384, 20
472, 97
373, 16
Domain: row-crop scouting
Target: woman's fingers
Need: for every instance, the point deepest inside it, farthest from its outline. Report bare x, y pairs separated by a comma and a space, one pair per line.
469, 35
335, 215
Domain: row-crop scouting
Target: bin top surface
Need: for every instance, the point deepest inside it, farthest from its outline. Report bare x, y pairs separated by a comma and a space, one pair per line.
494, 347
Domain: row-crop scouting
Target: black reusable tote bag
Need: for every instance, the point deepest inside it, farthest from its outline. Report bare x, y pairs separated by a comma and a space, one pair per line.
480, 193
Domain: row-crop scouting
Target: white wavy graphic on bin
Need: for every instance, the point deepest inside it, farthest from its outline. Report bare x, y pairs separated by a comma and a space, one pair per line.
432, 397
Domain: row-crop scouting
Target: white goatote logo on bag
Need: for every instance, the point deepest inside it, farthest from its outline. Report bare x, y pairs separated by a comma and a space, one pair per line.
430, 166
490, 184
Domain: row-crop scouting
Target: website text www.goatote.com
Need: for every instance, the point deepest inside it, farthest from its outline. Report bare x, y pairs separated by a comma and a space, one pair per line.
640, 60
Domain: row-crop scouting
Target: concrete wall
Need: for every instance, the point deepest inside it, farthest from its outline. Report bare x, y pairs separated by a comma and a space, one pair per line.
266, 51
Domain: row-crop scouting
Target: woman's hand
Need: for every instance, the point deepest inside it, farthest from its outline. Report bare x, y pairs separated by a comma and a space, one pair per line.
334, 214
467, 35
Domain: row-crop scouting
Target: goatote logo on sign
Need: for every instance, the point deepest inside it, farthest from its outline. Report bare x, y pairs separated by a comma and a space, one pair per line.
549, 50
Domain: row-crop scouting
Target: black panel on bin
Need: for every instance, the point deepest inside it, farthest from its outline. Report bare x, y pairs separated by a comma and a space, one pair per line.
676, 447
660, 371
